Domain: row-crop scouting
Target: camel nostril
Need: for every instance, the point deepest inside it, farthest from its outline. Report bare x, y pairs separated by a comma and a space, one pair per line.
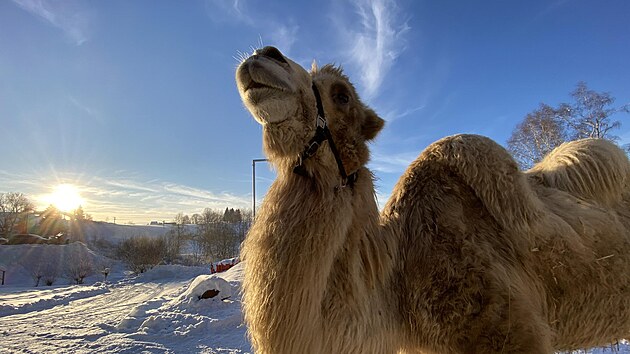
273, 53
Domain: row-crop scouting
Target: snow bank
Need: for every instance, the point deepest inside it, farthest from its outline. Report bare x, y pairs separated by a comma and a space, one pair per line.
20, 262
235, 274
212, 320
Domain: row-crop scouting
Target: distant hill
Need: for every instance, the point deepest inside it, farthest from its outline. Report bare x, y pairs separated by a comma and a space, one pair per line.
115, 233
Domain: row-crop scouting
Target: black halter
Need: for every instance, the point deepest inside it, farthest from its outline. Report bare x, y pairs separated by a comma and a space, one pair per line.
322, 133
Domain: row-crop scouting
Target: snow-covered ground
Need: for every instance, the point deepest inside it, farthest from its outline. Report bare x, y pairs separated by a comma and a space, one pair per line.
156, 312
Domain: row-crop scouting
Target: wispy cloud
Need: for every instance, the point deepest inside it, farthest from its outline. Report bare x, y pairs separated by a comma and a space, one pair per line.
280, 32
392, 163
82, 107
64, 15
376, 40
125, 196
284, 37
223, 11
395, 115
551, 7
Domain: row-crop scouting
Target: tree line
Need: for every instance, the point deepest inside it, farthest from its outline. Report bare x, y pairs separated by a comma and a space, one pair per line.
209, 236
217, 235
589, 115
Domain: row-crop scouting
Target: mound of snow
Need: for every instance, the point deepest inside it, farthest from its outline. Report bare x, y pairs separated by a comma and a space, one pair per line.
202, 285
235, 274
187, 315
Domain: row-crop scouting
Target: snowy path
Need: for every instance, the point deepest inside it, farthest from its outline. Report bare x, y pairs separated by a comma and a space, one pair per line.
121, 318
82, 325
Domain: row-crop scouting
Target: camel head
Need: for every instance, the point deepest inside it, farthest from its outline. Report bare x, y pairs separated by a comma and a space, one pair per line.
281, 95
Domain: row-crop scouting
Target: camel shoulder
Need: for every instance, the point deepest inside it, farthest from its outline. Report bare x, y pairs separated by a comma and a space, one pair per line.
478, 163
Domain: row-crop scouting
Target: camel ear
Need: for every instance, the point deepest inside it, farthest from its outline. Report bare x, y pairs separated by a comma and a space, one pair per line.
371, 125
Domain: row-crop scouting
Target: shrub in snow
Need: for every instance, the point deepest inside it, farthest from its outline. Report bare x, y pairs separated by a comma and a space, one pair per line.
42, 264
78, 266
50, 276
35, 270
174, 240
26, 264
141, 253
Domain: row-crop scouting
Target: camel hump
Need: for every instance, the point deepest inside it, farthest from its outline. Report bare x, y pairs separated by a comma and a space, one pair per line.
493, 175
592, 169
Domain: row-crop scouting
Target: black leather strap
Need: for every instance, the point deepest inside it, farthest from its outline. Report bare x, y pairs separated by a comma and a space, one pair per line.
322, 133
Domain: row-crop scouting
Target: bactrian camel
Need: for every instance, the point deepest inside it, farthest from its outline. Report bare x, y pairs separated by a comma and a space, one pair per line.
470, 254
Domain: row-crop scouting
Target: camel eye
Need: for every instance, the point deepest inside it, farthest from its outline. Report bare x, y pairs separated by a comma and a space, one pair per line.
341, 98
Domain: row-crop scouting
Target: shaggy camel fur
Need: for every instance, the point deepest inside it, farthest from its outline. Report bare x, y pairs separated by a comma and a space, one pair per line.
470, 255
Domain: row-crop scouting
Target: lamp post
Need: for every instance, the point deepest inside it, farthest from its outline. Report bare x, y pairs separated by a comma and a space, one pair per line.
254, 186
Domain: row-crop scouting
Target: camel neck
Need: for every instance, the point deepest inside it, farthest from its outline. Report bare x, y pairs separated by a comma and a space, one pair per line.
302, 243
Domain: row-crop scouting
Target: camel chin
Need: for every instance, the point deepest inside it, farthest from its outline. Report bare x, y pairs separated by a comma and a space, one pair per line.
271, 107
270, 85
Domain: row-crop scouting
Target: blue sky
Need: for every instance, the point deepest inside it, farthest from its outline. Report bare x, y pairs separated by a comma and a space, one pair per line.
134, 102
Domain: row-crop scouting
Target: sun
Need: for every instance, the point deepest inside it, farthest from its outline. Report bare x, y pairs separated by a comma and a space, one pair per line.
66, 197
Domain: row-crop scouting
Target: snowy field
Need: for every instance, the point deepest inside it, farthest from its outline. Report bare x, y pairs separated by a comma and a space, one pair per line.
156, 312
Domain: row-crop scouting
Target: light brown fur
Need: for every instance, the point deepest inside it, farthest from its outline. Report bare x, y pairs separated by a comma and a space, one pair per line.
470, 255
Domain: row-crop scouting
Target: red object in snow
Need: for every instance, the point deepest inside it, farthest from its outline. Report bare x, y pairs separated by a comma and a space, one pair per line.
223, 265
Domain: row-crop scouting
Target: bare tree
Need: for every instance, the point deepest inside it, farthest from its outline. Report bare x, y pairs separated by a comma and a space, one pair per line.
244, 225
35, 269
173, 241
540, 132
43, 264
197, 249
78, 266
142, 253
206, 234
218, 234
13, 206
590, 115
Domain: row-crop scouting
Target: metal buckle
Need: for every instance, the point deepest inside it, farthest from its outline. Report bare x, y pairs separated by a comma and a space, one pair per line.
310, 150
321, 122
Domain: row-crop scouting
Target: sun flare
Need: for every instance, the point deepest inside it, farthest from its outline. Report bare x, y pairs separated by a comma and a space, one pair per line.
66, 197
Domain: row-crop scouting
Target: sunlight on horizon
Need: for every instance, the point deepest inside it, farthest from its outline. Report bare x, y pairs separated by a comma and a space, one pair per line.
65, 197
